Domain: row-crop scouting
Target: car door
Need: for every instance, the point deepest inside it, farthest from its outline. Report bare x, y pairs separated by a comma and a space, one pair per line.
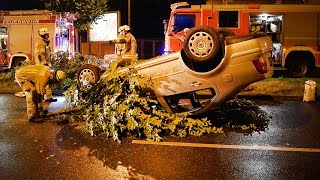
177, 90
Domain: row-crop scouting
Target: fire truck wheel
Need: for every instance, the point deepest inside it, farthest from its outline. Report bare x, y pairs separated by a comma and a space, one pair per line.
202, 44
298, 68
87, 76
17, 62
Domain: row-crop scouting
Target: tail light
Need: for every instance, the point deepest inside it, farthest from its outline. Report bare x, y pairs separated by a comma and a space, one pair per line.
261, 65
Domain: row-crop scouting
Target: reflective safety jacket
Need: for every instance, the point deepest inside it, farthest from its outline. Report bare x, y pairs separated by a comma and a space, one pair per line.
42, 52
37, 75
131, 44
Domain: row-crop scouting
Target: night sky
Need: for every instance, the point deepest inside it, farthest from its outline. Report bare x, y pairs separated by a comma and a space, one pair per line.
146, 15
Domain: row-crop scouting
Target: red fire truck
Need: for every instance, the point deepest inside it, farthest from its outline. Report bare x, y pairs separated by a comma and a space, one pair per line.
19, 34
294, 29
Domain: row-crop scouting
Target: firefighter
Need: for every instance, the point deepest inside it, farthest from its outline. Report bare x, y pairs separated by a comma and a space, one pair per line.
42, 56
33, 80
131, 43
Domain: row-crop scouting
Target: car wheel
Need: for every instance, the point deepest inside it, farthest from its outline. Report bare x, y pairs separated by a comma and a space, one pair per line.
202, 44
87, 76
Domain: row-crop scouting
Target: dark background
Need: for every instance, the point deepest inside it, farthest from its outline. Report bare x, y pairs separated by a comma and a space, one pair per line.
146, 15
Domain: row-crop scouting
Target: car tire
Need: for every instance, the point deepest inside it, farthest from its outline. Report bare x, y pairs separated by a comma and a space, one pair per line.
202, 44
87, 76
17, 62
224, 33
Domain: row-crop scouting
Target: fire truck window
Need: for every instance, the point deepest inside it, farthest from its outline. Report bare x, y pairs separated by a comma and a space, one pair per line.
228, 19
3, 37
183, 21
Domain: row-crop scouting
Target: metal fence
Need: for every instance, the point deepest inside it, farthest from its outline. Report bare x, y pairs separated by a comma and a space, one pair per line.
149, 48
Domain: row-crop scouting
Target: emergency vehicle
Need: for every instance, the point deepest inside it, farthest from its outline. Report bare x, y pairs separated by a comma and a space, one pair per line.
293, 28
19, 34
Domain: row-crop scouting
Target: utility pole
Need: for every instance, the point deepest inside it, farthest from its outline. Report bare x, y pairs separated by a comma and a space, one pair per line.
129, 13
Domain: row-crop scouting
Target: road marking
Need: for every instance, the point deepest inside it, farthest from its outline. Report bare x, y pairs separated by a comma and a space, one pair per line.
223, 146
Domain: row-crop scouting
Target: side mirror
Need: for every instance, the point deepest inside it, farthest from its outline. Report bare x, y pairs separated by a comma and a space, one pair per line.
165, 26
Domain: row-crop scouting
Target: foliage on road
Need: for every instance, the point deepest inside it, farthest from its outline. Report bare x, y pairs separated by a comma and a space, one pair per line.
124, 104
240, 115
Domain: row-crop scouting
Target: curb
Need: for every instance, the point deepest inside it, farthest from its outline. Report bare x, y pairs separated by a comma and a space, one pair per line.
269, 97
273, 98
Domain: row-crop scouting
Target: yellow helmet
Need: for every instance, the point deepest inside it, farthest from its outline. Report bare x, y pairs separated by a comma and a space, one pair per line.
60, 75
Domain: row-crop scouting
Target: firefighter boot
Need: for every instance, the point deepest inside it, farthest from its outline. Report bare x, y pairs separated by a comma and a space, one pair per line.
48, 95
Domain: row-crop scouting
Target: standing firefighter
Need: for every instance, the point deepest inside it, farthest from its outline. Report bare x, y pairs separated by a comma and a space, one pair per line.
131, 43
42, 56
33, 80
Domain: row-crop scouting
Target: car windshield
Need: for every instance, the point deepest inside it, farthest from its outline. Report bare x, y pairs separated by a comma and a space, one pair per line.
190, 101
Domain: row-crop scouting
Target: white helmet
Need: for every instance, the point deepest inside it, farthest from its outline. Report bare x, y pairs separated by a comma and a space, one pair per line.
43, 31
60, 75
126, 27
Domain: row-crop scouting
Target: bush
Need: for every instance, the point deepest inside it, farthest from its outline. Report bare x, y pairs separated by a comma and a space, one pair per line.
70, 65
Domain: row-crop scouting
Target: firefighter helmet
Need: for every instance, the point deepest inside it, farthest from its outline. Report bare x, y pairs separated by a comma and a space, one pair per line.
60, 75
43, 31
126, 27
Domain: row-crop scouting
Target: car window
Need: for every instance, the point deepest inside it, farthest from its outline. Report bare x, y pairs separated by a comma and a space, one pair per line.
190, 101
182, 21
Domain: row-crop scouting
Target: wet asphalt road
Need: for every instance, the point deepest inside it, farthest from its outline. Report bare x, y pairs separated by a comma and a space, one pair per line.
288, 149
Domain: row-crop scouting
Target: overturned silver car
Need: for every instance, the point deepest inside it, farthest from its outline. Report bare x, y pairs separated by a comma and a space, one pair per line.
208, 70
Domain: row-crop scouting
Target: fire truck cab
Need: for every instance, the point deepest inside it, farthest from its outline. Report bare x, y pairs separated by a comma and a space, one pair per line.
294, 29
19, 34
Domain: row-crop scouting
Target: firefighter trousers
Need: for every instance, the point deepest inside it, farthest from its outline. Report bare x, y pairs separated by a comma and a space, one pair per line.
34, 104
33, 99
48, 94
